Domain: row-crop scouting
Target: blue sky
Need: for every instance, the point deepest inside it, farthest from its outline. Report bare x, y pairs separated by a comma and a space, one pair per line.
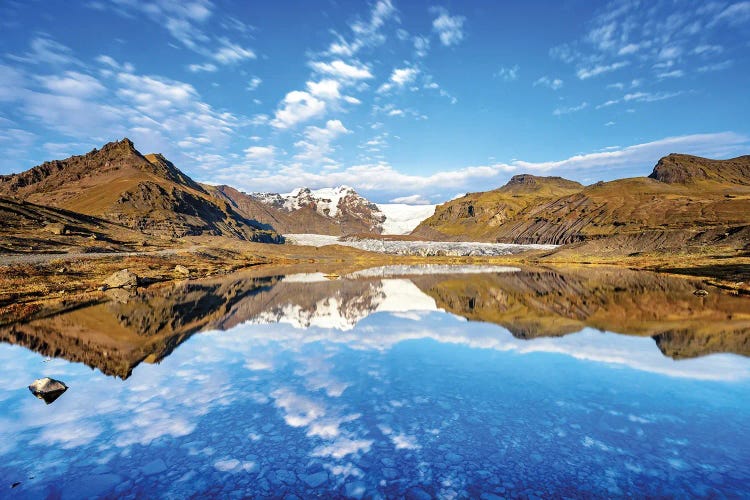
411, 101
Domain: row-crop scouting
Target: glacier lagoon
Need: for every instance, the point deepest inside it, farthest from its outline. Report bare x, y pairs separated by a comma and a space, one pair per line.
399, 381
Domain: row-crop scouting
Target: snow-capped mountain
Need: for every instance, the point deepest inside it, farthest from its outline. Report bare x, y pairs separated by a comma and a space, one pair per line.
342, 210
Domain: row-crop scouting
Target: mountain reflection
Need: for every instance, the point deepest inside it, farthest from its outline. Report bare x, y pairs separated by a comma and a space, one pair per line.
117, 335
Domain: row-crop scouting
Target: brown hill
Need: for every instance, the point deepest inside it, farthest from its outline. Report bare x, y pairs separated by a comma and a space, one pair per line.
683, 199
482, 216
147, 193
683, 169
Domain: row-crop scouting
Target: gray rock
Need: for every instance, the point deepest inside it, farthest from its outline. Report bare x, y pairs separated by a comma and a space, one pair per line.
122, 279
56, 228
417, 494
180, 269
390, 473
356, 489
47, 389
700, 293
154, 467
314, 480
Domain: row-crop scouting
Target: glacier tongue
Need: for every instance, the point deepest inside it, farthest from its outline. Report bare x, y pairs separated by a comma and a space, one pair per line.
401, 218
424, 248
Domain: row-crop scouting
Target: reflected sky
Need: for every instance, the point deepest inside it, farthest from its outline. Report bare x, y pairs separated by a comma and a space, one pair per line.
405, 400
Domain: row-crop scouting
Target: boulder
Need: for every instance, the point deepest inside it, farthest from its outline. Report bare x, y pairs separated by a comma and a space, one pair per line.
700, 293
47, 389
56, 228
180, 269
122, 279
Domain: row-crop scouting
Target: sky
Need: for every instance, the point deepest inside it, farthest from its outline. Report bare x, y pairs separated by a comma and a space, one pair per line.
406, 101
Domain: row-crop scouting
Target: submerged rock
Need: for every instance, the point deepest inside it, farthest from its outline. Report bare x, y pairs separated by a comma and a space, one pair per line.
700, 293
122, 279
47, 389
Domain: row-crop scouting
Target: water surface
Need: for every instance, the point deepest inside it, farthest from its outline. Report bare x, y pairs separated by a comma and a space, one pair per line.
389, 382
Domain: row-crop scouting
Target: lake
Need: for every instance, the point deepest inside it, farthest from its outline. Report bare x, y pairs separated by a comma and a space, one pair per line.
402, 381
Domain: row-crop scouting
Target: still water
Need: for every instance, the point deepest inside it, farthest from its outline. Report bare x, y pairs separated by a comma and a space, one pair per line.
391, 382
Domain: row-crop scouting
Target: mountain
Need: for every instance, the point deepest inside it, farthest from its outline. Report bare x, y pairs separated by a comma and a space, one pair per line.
119, 184
483, 216
686, 202
334, 211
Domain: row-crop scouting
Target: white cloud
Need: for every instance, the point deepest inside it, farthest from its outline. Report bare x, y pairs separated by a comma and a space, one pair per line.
342, 70
254, 83
297, 106
450, 29
365, 34
231, 53
413, 199
713, 145
735, 14
570, 109
585, 73
395, 184
719, 66
260, 155
404, 76
706, 49
198, 68
325, 89
316, 144
399, 78
507, 74
676, 73
421, 46
553, 83
72, 83
641, 97
45, 50
152, 94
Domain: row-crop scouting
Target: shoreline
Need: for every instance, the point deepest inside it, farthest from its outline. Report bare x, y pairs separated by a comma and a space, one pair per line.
40, 284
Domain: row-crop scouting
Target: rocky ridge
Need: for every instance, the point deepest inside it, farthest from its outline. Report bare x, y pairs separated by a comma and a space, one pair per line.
334, 211
684, 199
145, 193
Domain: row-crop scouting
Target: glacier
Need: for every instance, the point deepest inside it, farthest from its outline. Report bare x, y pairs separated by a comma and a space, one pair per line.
423, 248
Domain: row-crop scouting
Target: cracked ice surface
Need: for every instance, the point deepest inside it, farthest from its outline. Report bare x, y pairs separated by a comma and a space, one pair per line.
424, 248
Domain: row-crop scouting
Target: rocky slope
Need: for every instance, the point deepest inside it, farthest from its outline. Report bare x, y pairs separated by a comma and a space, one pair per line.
684, 199
333, 211
146, 193
482, 216
27, 227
